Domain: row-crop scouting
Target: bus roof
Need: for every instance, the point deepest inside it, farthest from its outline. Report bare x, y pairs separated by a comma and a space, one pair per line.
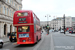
23, 11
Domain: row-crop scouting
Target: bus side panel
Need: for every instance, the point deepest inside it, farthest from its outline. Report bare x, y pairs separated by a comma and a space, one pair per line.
32, 27
38, 33
35, 35
32, 32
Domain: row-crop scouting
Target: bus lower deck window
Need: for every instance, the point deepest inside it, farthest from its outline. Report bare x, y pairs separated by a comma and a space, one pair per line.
23, 29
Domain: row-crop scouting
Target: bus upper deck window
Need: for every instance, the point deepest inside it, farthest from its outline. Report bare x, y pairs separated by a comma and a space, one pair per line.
25, 14
22, 14
19, 14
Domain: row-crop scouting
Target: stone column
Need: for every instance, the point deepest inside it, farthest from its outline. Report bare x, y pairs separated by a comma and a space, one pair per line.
1, 29
8, 28
13, 29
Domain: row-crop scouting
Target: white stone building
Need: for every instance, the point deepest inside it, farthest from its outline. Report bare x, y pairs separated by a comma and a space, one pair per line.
56, 23
7, 9
59, 23
44, 23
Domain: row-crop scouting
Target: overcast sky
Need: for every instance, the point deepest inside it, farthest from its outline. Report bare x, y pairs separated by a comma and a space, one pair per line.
51, 7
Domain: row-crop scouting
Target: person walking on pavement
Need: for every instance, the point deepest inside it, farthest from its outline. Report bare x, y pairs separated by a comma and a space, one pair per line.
72, 31
41, 31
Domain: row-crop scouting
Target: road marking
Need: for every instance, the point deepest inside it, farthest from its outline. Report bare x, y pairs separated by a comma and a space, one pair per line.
38, 44
70, 35
51, 44
15, 43
6, 43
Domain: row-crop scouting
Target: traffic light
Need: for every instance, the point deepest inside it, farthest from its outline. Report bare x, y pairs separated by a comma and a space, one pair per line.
47, 26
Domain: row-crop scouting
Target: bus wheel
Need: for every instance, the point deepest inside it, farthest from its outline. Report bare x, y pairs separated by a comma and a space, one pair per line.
40, 38
37, 40
10, 40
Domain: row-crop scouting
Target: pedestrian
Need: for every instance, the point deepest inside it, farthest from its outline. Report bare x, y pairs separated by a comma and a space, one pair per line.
8, 34
72, 31
41, 32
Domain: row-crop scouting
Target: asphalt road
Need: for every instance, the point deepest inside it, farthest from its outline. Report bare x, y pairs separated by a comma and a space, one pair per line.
53, 41
63, 42
43, 44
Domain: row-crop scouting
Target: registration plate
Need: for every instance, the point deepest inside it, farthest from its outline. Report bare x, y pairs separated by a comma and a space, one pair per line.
23, 35
13, 38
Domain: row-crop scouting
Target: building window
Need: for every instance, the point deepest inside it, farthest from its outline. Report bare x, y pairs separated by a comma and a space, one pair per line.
9, 1
19, 8
19, 1
0, 8
10, 13
4, 9
6, 1
13, 12
7, 11
16, 5
12, 2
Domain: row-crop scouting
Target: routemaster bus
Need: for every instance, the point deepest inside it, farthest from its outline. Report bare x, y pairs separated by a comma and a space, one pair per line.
28, 27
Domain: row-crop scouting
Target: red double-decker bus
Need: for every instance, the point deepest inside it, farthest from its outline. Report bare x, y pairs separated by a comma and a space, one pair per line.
28, 27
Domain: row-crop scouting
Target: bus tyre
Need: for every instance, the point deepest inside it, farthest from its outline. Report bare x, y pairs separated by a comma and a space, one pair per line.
37, 40
40, 38
10, 40
1, 45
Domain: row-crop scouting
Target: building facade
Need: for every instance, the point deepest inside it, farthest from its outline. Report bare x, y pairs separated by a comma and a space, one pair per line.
44, 23
7, 9
58, 23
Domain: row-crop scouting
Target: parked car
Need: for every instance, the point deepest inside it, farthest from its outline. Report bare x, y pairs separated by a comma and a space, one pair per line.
12, 37
73, 31
70, 31
1, 43
62, 31
55, 31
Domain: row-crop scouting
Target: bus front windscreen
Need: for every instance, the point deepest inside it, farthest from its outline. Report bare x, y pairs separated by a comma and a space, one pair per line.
22, 14
23, 29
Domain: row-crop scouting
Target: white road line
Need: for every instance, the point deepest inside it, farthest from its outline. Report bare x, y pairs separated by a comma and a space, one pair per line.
51, 44
38, 44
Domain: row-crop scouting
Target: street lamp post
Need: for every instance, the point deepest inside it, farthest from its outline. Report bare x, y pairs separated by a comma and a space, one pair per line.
64, 23
47, 23
47, 19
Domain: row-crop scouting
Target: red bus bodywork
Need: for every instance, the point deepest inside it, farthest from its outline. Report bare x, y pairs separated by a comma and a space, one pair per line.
28, 21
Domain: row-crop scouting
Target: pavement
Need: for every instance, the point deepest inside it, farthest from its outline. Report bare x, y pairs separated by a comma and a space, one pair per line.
69, 34
63, 42
44, 32
5, 39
